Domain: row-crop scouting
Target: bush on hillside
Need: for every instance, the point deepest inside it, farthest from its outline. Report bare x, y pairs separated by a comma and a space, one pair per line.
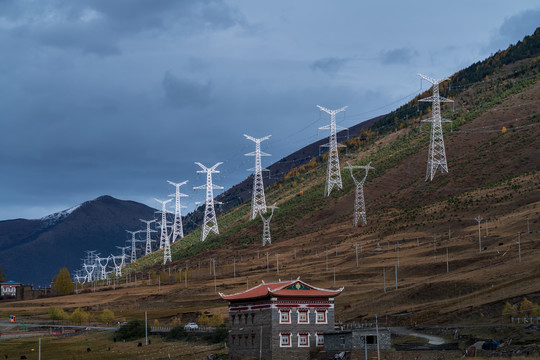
57, 314
133, 330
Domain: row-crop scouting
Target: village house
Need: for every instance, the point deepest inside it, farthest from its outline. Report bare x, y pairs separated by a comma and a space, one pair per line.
280, 320
9, 289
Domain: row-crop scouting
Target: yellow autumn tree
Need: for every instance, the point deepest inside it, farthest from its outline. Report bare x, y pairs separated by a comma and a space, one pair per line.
62, 282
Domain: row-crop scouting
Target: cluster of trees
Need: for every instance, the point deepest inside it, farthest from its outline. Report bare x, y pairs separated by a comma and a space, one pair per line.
79, 316
209, 321
525, 308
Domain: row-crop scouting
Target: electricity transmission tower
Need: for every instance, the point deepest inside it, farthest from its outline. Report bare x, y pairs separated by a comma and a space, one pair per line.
122, 259
437, 154
164, 236
103, 268
164, 241
266, 238
359, 203
333, 174
148, 248
133, 242
178, 230
258, 201
210, 220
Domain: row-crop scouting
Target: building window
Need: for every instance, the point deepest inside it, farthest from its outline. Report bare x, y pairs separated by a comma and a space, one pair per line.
303, 339
245, 318
303, 316
253, 318
233, 317
233, 339
319, 338
372, 339
285, 340
321, 317
284, 316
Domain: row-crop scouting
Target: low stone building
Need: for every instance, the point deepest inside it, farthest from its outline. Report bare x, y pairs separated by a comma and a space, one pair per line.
281, 320
357, 339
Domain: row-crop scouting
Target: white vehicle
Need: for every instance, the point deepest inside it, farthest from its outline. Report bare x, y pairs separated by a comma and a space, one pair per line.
191, 327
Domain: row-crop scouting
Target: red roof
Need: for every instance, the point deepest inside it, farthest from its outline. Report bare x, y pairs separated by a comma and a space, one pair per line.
291, 288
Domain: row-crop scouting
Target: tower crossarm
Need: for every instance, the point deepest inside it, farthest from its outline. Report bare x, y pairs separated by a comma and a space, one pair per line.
330, 112
432, 80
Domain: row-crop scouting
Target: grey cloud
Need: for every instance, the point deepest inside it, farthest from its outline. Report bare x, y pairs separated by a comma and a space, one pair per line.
329, 65
184, 93
515, 28
98, 26
397, 56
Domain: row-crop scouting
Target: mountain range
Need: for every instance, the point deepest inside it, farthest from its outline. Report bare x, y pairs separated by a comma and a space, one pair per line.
33, 251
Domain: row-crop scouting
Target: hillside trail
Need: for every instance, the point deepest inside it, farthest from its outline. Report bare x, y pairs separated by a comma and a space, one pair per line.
432, 339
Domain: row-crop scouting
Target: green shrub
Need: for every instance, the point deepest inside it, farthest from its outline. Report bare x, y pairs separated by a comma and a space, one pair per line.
57, 314
133, 330
78, 316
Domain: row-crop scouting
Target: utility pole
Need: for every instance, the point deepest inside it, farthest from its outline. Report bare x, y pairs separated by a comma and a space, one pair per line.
359, 202
267, 238
210, 220
258, 201
267, 263
277, 263
447, 269
437, 153
479, 219
519, 246
396, 276
384, 278
178, 229
434, 248
528, 227
356, 246
333, 174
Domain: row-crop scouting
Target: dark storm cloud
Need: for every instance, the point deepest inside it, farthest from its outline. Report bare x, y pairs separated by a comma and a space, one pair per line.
329, 65
98, 26
515, 28
401, 56
183, 92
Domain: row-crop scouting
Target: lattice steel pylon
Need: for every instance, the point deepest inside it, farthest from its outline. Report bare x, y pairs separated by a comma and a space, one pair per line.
267, 238
163, 226
148, 247
178, 229
258, 201
359, 203
164, 239
210, 220
437, 153
333, 174
133, 242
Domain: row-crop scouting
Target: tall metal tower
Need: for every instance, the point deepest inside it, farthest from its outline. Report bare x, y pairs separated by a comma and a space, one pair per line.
210, 220
359, 203
258, 201
148, 248
122, 259
437, 154
333, 174
178, 230
133, 242
103, 268
164, 236
266, 238
118, 267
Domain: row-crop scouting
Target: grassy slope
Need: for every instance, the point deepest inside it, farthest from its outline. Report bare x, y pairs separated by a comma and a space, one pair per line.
492, 174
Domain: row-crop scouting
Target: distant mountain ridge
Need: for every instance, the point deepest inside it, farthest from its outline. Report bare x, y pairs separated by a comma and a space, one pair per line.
32, 251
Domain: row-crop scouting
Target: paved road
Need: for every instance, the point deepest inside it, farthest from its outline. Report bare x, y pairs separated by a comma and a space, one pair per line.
432, 339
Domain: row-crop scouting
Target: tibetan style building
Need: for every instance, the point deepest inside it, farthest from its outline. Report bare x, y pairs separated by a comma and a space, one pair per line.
281, 320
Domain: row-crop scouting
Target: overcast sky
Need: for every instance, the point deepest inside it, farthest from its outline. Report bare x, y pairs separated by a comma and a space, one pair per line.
115, 97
